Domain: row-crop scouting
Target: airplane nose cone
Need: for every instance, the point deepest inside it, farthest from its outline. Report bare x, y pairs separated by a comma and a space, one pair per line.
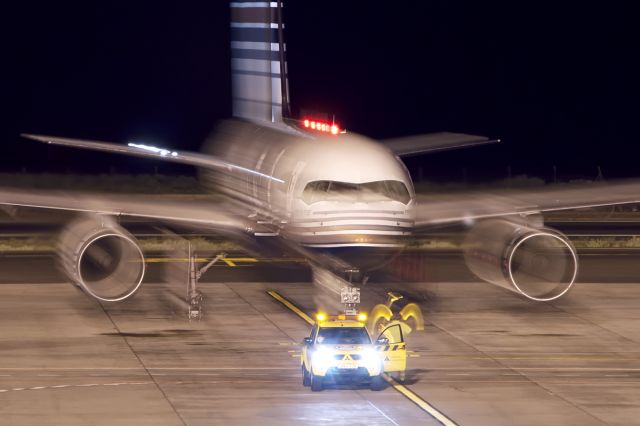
364, 258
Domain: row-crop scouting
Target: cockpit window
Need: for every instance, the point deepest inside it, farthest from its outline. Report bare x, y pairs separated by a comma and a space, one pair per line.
381, 190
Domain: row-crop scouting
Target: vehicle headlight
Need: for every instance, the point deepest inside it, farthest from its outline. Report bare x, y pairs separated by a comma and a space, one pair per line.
371, 359
322, 358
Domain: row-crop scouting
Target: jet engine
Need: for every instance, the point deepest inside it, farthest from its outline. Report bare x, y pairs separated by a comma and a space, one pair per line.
102, 258
538, 263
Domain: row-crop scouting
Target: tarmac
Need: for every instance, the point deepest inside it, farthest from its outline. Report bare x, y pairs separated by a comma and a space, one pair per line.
486, 356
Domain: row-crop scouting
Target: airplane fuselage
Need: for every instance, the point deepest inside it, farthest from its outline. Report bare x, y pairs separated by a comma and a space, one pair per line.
339, 192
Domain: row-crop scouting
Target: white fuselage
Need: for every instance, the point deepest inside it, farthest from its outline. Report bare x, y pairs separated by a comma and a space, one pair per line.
320, 191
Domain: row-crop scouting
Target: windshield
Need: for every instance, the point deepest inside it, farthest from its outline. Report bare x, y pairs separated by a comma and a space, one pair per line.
343, 336
381, 190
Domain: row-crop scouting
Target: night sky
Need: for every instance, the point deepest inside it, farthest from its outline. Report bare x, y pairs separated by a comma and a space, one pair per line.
559, 84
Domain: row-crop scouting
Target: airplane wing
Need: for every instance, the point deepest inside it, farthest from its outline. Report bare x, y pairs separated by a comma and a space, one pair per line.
192, 212
434, 142
149, 151
461, 207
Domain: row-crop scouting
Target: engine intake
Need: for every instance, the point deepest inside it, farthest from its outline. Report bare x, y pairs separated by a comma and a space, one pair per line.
102, 258
539, 263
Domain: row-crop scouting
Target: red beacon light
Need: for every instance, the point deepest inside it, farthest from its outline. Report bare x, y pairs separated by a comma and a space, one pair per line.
321, 126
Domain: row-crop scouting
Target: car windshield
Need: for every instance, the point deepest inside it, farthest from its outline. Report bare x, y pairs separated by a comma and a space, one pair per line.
343, 336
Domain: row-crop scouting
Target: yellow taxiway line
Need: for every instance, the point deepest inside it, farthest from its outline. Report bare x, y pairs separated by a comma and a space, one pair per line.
413, 397
291, 306
230, 261
405, 391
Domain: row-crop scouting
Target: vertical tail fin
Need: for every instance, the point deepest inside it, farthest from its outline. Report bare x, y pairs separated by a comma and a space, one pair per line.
258, 66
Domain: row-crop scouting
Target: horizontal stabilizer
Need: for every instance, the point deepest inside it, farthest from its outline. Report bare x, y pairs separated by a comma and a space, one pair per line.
433, 142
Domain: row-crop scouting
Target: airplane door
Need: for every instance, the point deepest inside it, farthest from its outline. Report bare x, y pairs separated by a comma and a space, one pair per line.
392, 348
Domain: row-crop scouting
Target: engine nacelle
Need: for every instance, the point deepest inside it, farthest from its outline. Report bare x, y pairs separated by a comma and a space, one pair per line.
539, 263
102, 258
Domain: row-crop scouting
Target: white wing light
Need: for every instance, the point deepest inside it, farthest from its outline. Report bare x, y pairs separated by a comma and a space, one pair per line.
162, 151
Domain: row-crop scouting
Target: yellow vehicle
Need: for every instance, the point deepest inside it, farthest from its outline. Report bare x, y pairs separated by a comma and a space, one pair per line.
340, 349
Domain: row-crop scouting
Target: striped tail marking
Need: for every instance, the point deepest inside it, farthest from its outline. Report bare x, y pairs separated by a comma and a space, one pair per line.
258, 64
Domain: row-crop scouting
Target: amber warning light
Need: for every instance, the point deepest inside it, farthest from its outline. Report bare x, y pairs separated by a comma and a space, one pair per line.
322, 126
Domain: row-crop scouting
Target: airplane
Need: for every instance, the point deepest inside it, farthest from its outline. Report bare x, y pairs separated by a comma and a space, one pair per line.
343, 201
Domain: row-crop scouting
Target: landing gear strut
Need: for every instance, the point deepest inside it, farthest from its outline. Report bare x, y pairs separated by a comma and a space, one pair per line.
195, 298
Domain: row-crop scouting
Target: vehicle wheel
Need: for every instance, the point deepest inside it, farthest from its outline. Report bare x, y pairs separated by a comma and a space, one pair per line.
316, 383
306, 377
377, 383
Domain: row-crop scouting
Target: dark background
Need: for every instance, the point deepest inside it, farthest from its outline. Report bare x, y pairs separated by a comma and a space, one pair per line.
557, 82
